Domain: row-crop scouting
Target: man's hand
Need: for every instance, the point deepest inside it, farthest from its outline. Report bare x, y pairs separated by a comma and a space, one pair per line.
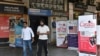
33, 39
43, 33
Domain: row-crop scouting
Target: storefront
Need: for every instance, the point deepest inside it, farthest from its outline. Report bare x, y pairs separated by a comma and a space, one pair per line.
47, 10
35, 15
10, 15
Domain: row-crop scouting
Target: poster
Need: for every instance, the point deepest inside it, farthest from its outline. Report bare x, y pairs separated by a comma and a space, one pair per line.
72, 27
4, 27
87, 33
61, 32
16, 25
54, 22
12, 39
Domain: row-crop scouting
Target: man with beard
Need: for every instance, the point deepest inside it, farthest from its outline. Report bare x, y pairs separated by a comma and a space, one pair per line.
42, 31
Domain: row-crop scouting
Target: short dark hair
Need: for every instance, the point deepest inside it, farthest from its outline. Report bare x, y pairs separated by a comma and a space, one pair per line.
25, 22
42, 20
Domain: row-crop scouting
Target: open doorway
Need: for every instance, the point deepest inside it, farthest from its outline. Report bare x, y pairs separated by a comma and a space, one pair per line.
35, 22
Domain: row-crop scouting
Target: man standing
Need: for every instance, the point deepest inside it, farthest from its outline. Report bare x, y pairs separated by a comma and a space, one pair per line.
27, 35
43, 32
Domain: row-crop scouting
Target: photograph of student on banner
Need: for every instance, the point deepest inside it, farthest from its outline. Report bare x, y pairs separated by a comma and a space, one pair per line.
93, 40
54, 22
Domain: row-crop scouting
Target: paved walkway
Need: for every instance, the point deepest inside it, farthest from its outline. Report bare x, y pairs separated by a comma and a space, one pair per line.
53, 51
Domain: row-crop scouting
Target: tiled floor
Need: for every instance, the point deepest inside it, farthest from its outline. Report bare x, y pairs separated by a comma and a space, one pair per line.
53, 51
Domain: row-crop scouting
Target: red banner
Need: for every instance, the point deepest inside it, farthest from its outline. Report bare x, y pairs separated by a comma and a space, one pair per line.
87, 44
87, 34
4, 27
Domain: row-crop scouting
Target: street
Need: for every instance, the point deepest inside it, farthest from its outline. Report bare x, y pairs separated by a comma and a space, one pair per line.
53, 51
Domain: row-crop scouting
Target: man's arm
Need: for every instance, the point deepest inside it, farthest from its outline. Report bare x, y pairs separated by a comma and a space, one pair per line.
32, 33
48, 31
38, 33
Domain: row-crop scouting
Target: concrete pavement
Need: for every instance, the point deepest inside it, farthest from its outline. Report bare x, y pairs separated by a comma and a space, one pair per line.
53, 51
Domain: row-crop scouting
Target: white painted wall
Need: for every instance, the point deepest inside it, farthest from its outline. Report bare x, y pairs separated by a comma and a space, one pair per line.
71, 11
26, 3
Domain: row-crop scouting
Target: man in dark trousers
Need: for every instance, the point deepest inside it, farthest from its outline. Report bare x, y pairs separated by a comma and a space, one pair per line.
42, 31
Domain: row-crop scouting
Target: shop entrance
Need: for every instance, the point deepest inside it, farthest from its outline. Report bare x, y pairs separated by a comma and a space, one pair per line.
35, 22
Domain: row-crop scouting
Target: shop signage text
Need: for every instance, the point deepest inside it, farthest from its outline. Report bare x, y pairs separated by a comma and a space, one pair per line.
87, 24
11, 9
5, 8
39, 12
59, 13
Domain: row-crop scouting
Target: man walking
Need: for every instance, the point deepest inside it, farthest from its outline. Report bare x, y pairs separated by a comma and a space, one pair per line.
27, 36
42, 31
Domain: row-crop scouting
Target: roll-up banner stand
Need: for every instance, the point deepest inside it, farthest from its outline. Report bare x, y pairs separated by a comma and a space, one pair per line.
87, 33
61, 34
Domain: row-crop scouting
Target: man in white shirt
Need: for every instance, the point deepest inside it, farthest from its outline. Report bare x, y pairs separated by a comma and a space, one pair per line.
42, 31
28, 37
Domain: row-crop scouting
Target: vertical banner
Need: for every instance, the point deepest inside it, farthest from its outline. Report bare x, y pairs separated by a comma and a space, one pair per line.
98, 40
87, 33
4, 27
98, 35
72, 28
16, 25
61, 33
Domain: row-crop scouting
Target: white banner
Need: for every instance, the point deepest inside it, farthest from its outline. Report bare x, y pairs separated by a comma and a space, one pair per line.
98, 35
61, 33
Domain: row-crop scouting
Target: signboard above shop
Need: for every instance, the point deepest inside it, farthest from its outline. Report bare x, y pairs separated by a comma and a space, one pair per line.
11, 0
47, 4
79, 5
57, 13
39, 12
5, 8
58, 7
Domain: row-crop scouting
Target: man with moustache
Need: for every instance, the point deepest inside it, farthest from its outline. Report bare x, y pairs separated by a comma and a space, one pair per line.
43, 31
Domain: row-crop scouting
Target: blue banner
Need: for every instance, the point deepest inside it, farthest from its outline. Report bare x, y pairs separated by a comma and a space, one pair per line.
19, 42
39, 12
72, 40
